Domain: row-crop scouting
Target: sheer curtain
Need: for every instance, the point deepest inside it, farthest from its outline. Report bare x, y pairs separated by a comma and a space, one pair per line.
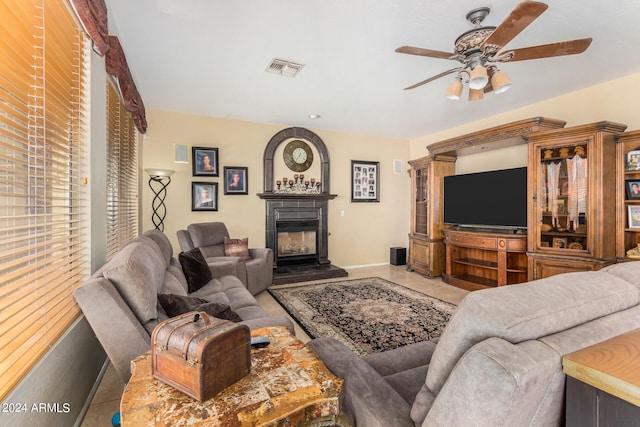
553, 177
577, 188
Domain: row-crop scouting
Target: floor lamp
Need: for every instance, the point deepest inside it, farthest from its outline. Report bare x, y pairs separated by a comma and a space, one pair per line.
159, 180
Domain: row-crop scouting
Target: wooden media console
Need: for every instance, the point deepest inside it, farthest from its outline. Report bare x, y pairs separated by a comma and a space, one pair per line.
478, 260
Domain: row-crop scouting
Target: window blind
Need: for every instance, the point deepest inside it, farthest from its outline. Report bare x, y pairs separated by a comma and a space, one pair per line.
122, 173
43, 204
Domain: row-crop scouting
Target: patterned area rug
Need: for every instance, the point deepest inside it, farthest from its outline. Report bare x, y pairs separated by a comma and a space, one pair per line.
368, 315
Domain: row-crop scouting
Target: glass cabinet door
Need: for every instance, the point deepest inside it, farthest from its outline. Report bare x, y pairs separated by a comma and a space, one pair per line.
563, 198
421, 201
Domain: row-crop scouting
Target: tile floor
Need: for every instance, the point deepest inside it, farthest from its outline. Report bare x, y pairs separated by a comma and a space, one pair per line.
106, 402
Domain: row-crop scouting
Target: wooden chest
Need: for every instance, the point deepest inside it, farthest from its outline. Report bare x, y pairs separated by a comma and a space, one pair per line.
198, 355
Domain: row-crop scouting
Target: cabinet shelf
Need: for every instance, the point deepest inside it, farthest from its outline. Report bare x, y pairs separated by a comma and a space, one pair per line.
469, 282
488, 264
564, 234
477, 262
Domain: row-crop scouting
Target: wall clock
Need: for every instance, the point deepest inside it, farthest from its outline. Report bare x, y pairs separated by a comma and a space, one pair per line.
298, 156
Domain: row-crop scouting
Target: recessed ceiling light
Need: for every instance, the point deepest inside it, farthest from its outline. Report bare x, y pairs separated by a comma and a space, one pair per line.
314, 116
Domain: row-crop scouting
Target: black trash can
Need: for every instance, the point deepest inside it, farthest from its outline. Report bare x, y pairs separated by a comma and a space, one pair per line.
398, 256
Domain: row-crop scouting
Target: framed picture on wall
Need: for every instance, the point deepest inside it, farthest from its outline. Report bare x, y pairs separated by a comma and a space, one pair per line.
235, 180
204, 196
365, 181
205, 161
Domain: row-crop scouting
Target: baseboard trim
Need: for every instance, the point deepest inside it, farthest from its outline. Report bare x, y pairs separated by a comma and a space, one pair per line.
349, 267
92, 393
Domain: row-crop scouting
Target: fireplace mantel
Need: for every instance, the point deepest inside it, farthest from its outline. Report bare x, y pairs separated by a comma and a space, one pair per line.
294, 196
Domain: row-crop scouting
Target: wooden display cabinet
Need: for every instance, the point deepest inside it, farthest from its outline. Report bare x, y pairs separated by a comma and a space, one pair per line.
477, 260
627, 238
572, 199
426, 248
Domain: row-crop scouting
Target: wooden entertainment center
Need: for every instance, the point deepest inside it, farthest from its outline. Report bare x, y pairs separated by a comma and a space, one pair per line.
578, 205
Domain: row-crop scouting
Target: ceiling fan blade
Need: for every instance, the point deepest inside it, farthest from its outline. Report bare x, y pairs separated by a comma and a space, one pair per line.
453, 70
424, 52
571, 47
524, 14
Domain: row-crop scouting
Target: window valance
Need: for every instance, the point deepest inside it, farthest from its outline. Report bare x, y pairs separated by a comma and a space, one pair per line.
93, 17
116, 65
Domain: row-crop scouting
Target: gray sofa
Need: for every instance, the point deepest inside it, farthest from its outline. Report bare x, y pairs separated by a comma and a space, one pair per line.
256, 273
498, 361
120, 300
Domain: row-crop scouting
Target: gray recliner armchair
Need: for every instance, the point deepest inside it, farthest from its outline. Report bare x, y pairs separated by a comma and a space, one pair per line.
255, 273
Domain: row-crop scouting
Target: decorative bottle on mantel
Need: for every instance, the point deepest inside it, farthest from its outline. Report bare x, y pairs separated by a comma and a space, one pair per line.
297, 185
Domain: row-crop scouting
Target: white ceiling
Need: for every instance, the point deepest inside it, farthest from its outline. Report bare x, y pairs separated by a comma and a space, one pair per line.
207, 57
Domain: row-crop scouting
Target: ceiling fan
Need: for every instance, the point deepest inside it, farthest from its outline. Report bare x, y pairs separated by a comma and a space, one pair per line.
480, 49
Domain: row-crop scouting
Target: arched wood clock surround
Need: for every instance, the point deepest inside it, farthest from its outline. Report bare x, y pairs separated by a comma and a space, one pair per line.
298, 133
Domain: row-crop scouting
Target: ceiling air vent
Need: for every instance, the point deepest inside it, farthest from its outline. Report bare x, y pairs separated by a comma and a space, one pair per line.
283, 67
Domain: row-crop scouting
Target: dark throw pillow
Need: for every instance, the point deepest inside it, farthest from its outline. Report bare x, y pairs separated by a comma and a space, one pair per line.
221, 311
175, 305
237, 247
195, 269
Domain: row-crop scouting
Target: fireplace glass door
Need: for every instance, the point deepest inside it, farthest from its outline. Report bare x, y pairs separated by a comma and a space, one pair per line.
296, 242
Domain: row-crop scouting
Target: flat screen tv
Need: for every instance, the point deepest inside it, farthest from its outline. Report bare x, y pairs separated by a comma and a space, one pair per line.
493, 199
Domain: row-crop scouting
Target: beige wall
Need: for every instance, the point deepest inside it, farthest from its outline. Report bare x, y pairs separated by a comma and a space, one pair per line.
362, 236
366, 231
617, 101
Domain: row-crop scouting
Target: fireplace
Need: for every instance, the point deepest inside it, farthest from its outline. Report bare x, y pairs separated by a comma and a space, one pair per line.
297, 230
297, 219
296, 242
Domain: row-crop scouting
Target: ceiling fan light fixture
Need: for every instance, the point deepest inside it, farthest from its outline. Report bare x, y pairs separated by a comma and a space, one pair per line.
479, 78
483, 47
455, 89
476, 94
500, 82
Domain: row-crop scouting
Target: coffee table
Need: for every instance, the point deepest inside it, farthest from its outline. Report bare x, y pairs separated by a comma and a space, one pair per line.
288, 386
